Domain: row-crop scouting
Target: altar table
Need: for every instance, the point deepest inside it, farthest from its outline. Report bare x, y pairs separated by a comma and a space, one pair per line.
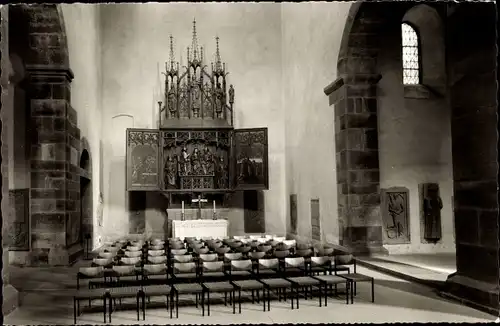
200, 228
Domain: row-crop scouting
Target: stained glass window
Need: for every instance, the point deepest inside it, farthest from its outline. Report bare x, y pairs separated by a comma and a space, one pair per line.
411, 55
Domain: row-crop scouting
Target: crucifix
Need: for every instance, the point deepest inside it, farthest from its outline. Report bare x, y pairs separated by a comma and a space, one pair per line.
199, 200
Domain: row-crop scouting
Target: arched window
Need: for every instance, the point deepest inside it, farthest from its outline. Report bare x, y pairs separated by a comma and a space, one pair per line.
411, 55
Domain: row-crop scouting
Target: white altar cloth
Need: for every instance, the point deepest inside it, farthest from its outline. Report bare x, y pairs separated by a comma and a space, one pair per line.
200, 228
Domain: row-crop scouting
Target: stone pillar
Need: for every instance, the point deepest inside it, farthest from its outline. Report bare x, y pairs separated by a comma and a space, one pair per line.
356, 142
10, 294
55, 181
473, 93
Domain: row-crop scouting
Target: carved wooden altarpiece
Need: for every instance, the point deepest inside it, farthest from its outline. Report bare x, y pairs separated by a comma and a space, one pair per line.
195, 149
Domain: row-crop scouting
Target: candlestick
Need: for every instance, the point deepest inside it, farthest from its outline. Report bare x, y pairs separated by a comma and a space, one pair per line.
182, 211
214, 206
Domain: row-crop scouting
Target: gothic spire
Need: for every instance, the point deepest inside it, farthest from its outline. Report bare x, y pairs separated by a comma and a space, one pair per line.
194, 42
172, 57
218, 61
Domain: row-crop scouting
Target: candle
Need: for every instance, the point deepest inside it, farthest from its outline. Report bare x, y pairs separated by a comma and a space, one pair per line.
214, 206
183, 207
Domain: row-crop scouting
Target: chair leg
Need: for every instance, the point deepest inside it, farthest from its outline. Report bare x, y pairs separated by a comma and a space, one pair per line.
196, 300
239, 300
176, 304
203, 303
292, 296
208, 303
268, 299
143, 305
320, 296
373, 291
233, 302
258, 296
347, 292
137, 306
74, 310
225, 298
253, 297
353, 285
298, 298
104, 307
326, 294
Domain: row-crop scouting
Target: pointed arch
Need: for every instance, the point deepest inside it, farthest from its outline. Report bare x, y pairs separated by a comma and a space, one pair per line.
410, 48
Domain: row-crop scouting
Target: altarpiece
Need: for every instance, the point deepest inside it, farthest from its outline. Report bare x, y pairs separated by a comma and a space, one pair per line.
195, 151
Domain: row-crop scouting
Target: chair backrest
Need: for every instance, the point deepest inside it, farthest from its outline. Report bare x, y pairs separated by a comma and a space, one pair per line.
321, 261
236, 244
264, 248
244, 249
133, 253
216, 244
180, 268
290, 243
177, 245
222, 250
157, 242
263, 240
279, 239
158, 247
270, 236
245, 241
109, 243
233, 256
130, 260
295, 262
102, 261
157, 259
271, 263
92, 271
346, 259
124, 270
155, 268
156, 252
239, 237
304, 253
208, 257
253, 244
133, 248
206, 238
178, 251
282, 246
274, 243
303, 246
106, 255
197, 245
183, 258
112, 249
212, 266
325, 251
281, 254
203, 250
241, 265
256, 255
255, 236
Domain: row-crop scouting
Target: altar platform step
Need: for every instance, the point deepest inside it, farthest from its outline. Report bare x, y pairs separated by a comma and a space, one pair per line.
426, 269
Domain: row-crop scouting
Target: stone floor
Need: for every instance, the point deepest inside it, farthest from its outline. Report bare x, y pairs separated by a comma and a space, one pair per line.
396, 300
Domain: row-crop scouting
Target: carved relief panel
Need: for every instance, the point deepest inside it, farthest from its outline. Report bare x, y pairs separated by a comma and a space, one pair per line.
395, 215
142, 159
196, 160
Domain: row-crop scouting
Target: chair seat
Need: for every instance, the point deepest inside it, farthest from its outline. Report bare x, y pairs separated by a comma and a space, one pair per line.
276, 282
157, 276
248, 284
219, 286
294, 270
156, 290
186, 275
241, 273
267, 272
315, 269
188, 288
213, 274
304, 280
331, 279
127, 278
341, 268
355, 277
124, 292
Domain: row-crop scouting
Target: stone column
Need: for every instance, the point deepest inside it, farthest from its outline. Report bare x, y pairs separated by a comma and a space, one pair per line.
55, 181
473, 93
10, 294
356, 142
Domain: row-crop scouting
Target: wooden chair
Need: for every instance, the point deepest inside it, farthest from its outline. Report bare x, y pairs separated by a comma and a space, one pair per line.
354, 277
157, 259
185, 272
156, 252
85, 273
241, 269
323, 265
297, 266
182, 251
211, 272
157, 273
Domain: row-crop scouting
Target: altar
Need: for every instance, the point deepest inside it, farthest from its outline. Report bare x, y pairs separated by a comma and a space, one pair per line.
199, 228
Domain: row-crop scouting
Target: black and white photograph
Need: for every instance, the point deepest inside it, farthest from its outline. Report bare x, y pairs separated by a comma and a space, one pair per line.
249, 162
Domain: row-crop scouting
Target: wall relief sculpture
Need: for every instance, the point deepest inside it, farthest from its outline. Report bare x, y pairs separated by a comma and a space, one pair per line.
430, 217
395, 215
250, 150
18, 225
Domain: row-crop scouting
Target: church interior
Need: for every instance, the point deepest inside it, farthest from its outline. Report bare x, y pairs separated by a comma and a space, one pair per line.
354, 144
